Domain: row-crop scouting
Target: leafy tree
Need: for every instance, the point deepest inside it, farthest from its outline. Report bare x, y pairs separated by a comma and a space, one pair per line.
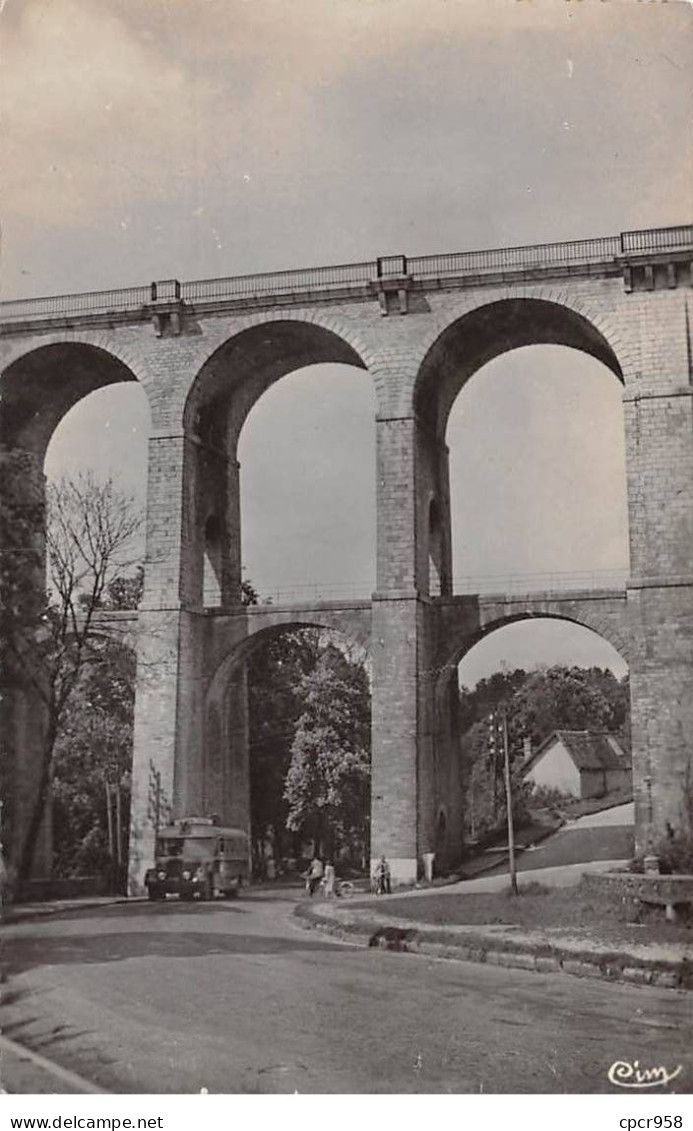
47, 639
92, 766
571, 699
124, 593
22, 607
535, 703
275, 674
327, 785
249, 595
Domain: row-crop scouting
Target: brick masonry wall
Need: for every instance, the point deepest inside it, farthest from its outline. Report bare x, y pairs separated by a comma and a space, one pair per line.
396, 505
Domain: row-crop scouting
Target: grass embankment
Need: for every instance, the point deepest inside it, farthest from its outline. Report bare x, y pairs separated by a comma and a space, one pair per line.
574, 911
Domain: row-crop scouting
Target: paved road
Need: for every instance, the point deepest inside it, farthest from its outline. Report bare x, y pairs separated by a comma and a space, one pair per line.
619, 815
237, 998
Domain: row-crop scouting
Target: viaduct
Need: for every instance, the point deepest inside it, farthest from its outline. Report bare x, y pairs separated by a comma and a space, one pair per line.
204, 352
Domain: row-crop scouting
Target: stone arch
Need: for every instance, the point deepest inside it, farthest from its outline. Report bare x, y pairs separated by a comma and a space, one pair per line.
41, 384
260, 350
610, 626
264, 621
225, 764
507, 322
229, 383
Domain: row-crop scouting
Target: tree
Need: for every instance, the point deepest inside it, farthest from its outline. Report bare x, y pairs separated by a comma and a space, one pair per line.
249, 595
91, 538
327, 785
536, 703
22, 584
275, 675
124, 593
570, 699
92, 766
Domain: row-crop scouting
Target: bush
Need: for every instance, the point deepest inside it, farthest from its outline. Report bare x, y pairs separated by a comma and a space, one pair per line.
545, 798
675, 854
531, 888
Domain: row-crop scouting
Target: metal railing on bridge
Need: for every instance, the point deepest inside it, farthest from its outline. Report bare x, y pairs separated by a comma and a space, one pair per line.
88, 302
315, 592
316, 280
301, 281
550, 581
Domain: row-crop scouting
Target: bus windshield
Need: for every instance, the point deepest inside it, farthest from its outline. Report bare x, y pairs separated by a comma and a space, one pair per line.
192, 848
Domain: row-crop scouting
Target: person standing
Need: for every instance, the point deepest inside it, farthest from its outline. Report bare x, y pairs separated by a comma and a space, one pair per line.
383, 882
329, 879
315, 874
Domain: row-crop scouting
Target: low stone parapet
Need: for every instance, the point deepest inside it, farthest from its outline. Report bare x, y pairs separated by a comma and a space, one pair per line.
669, 892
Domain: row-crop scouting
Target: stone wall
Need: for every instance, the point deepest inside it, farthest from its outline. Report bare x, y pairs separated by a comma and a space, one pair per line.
202, 382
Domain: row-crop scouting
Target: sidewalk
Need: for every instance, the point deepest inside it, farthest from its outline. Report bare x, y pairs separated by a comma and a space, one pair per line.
546, 950
560, 876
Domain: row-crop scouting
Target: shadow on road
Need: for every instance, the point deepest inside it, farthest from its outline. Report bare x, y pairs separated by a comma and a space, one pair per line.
26, 953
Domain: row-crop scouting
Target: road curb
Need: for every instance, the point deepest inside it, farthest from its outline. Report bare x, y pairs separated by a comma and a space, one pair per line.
546, 958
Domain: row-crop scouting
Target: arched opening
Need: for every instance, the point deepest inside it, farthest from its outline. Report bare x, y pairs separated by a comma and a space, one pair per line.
535, 471
537, 475
559, 692
106, 432
307, 450
43, 393
289, 710
485, 333
40, 387
307, 453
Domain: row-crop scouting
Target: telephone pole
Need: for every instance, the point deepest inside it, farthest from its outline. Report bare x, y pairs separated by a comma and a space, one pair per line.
498, 735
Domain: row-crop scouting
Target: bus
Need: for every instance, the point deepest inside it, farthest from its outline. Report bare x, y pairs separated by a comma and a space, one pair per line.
196, 858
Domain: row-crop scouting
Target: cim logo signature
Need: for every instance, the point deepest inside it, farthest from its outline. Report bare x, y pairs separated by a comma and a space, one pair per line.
627, 1075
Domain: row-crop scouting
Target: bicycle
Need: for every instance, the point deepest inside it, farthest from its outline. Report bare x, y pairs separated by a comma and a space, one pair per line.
343, 889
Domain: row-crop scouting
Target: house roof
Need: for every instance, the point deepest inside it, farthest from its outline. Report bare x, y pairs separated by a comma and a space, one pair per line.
589, 750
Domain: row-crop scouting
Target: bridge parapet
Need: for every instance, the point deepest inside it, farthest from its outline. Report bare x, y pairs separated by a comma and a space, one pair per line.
616, 255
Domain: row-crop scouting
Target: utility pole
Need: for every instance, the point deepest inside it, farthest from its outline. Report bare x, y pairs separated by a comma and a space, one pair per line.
157, 801
109, 821
498, 731
509, 805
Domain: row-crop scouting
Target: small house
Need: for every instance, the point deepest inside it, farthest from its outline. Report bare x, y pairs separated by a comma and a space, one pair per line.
580, 763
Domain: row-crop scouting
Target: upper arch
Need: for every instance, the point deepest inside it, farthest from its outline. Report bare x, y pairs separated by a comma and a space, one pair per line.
353, 628
607, 624
484, 333
42, 384
244, 365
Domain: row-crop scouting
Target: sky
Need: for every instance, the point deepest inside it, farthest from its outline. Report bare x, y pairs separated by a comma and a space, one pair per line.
147, 139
